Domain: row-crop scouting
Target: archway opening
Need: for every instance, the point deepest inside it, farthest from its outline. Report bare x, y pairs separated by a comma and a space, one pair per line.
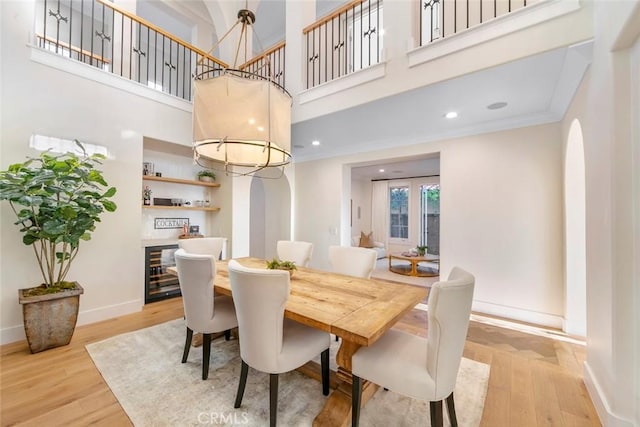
270, 214
575, 233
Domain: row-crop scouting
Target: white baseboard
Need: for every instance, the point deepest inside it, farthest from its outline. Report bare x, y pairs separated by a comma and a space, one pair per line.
543, 319
109, 312
16, 333
600, 401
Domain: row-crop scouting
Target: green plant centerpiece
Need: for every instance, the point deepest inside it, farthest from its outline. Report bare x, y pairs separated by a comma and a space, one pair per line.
206, 176
57, 200
276, 264
422, 250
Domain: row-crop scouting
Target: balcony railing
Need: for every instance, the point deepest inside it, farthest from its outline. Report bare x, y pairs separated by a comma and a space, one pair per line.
105, 36
443, 18
269, 64
346, 40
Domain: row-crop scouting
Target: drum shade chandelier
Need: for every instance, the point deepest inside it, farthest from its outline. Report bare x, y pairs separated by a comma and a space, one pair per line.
241, 120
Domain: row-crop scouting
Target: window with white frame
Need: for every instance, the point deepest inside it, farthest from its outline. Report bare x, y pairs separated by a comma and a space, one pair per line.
399, 212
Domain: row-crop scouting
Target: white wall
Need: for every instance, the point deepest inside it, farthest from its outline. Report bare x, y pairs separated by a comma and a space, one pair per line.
361, 199
609, 114
39, 99
501, 215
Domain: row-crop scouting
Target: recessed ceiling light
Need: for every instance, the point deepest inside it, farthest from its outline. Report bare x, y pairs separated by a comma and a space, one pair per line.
316, 142
260, 128
451, 115
381, 170
496, 105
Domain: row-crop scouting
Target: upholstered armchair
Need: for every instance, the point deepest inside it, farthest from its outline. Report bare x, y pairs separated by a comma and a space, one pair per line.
204, 246
352, 261
268, 342
421, 368
298, 252
203, 313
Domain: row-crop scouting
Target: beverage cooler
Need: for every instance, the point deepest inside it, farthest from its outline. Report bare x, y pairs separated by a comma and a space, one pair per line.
160, 284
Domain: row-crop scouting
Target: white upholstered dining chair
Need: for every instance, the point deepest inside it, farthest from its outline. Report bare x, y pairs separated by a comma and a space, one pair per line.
203, 246
352, 261
420, 368
269, 342
203, 312
296, 251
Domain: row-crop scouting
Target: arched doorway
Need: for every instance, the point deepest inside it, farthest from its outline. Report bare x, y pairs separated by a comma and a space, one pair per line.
270, 214
575, 230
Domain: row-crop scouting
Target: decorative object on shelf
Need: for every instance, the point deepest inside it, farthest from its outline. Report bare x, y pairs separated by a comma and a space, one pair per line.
158, 174
241, 120
421, 250
276, 264
160, 201
190, 232
147, 168
58, 199
168, 223
146, 196
206, 176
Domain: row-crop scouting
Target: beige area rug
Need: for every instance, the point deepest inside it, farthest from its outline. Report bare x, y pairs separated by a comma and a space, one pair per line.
382, 272
143, 370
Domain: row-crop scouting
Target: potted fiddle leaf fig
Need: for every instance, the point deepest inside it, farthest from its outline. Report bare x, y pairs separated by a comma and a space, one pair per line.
57, 200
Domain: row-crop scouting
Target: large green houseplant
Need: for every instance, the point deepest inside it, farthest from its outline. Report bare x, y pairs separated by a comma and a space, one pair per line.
57, 200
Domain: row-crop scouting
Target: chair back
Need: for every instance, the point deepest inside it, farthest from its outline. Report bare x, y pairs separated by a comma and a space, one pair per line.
203, 246
352, 261
448, 314
259, 296
298, 252
196, 273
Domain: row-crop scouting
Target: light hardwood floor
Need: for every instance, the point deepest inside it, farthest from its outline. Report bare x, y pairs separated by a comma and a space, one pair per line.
534, 381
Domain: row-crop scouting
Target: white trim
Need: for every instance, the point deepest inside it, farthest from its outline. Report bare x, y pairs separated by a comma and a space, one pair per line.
374, 72
520, 314
493, 29
599, 399
16, 333
109, 312
89, 72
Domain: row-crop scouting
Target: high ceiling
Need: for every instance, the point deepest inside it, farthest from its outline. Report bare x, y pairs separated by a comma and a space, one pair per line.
536, 90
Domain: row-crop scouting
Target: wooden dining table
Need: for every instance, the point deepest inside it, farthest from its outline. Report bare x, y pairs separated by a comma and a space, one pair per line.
357, 310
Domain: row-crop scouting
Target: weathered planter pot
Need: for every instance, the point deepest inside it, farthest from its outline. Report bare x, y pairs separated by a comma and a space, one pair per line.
49, 320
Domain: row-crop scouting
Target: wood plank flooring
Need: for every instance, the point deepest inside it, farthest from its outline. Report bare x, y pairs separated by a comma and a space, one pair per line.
534, 381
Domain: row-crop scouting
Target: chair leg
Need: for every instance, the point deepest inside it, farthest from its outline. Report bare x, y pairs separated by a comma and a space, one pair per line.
324, 363
206, 353
436, 413
244, 370
187, 345
356, 396
273, 399
227, 335
451, 409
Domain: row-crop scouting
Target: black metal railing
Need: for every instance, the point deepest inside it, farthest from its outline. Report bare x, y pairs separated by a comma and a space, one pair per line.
269, 64
442, 18
103, 35
347, 40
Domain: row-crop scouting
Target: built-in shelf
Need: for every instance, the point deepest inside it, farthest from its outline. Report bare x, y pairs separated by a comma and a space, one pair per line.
188, 208
180, 181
